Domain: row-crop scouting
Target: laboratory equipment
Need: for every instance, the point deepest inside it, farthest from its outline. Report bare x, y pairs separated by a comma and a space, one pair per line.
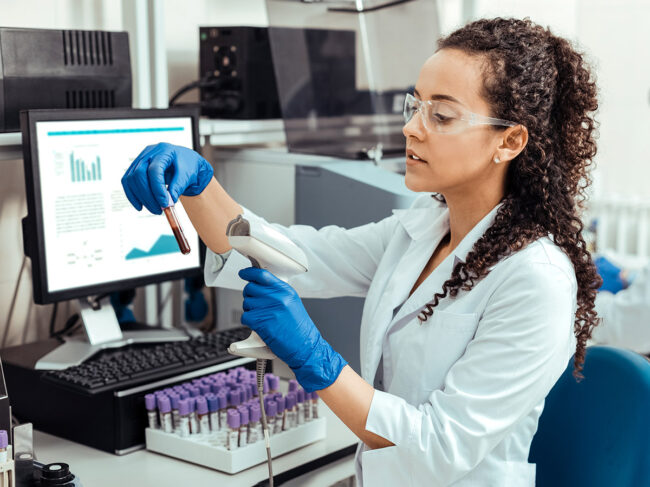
341, 83
80, 233
236, 69
43, 68
107, 392
239, 444
177, 230
268, 249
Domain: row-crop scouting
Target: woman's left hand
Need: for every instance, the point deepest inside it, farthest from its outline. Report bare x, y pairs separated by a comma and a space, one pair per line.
274, 310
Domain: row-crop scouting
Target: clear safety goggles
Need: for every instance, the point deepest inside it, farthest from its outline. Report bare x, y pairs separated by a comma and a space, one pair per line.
446, 117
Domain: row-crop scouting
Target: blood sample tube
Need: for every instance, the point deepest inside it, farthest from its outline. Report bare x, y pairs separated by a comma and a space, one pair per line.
170, 213
203, 415
152, 414
4, 443
184, 418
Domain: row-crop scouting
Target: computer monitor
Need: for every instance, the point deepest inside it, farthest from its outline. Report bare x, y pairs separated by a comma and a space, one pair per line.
83, 236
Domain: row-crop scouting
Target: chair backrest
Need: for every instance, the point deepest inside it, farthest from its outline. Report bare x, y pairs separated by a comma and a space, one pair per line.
597, 432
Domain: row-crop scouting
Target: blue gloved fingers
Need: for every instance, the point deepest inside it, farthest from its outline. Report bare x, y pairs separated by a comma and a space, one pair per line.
156, 169
259, 276
128, 179
142, 187
252, 290
130, 195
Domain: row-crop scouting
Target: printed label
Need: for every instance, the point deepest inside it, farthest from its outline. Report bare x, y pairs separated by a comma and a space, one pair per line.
153, 419
233, 439
184, 426
204, 424
167, 423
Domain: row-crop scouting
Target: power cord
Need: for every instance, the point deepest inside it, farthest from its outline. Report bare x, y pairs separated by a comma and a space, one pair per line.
53, 318
226, 101
261, 367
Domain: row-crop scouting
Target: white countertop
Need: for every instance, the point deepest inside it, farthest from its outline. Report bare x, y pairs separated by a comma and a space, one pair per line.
96, 468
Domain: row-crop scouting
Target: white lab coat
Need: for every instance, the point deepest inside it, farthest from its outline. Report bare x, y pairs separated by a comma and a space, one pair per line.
464, 390
626, 315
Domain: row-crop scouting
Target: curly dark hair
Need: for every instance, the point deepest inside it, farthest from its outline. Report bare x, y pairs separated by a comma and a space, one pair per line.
540, 81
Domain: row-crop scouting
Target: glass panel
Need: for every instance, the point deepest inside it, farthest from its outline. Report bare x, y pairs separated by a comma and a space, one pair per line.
342, 74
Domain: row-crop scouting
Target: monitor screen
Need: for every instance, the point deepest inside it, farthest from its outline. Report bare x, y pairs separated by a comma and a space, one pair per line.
90, 236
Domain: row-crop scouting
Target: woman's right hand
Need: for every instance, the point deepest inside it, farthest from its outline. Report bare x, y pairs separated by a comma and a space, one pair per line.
165, 167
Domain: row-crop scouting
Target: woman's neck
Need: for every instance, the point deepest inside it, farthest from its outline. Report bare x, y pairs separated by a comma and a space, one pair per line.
465, 213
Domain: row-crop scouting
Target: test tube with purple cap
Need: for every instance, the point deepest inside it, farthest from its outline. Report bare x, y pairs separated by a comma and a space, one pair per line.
279, 417
152, 414
165, 408
184, 418
203, 415
234, 422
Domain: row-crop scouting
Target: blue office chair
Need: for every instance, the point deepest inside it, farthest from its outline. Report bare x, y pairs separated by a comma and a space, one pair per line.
597, 432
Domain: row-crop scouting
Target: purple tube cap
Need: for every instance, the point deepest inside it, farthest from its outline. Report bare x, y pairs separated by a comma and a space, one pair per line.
174, 398
213, 403
281, 403
243, 414
201, 405
293, 385
301, 395
271, 408
150, 402
290, 400
192, 402
4, 439
255, 413
274, 382
234, 397
234, 421
183, 407
223, 400
164, 405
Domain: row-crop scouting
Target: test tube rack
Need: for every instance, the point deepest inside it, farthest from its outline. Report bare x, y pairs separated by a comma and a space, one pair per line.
7, 470
198, 449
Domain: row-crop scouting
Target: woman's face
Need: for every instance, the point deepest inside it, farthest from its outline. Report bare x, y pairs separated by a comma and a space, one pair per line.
452, 162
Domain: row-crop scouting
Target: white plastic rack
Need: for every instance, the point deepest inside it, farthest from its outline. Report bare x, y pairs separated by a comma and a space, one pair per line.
198, 449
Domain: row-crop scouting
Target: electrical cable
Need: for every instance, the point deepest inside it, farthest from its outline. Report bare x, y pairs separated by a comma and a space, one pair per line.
221, 94
13, 303
261, 367
205, 82
53, 318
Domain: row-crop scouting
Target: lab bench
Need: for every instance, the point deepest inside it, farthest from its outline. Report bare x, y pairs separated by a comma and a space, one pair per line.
322, 463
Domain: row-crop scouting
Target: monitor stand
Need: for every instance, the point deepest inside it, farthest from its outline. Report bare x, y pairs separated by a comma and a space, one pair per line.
102, 331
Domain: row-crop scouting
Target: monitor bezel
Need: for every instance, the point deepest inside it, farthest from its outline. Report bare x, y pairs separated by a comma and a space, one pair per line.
33, 233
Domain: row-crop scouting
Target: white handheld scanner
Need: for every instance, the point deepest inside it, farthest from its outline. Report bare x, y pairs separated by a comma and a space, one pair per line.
268, 249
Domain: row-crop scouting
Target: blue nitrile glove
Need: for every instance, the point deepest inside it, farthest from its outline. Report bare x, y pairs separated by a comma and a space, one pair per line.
274, 310
612, 275
145, 181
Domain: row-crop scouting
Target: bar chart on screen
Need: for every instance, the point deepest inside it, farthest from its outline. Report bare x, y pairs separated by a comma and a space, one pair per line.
81, 170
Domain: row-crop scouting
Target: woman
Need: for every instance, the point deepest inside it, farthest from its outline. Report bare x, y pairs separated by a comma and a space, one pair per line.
476, 297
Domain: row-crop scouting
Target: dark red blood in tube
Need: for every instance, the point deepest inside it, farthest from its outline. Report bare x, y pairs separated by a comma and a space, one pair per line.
177, 230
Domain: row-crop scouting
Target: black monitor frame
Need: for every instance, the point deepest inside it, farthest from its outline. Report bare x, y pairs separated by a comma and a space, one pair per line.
33, 235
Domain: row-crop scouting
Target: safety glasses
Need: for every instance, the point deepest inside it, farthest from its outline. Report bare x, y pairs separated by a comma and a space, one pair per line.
446, 117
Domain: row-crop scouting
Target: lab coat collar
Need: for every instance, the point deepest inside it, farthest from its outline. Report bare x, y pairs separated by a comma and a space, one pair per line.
423, 222
433, 283
426, 223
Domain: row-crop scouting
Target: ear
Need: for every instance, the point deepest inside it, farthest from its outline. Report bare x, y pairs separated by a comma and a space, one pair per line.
513, 141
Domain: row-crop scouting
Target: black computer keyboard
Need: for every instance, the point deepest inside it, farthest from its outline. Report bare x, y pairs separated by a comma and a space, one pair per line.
114, 369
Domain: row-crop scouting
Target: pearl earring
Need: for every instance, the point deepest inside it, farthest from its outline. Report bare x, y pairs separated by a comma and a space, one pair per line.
497, 160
